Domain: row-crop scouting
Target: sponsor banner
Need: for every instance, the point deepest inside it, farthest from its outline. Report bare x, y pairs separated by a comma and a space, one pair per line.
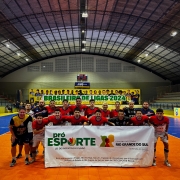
123, 146
100, 95
84, 85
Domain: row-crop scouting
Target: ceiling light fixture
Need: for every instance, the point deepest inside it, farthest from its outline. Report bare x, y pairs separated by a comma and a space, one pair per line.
83, 49
85, 14
138, 60
18, 54
156, 46
146, 55
7, 45
84, 42
82, 31
173, 33
27, 59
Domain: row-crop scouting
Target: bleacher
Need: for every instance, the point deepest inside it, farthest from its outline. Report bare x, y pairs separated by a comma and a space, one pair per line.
167, 101
5, 101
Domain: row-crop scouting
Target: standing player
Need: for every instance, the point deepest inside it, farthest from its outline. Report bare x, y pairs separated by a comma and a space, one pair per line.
57, 118
51, 108
146, 111
120, 120
77, 119
91, 109
40, 109
19, 134
38, 130
65, 109
161, 125
139, 119
98, 120
114, 112
104, 111
30, 131
130, 111
79, 105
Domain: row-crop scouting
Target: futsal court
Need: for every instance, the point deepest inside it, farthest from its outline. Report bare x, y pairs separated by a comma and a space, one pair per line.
37, 171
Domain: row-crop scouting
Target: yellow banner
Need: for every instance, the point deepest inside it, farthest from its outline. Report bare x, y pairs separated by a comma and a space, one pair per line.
100, 95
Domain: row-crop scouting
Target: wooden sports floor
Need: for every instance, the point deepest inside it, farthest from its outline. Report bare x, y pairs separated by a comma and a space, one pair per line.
36, 171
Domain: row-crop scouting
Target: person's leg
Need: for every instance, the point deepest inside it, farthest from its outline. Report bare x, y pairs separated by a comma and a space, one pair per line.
166, 150
154, 158
20, 151
13, 152
34, 147
26, 149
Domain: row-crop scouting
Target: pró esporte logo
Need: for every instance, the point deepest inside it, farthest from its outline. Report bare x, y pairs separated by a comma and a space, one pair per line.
107, 141
59, 139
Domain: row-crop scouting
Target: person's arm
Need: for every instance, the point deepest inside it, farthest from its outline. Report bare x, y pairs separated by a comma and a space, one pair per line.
40, 131
11, 130
110, 123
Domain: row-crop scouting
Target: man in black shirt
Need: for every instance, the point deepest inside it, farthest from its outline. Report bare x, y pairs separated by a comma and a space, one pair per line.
120, 120
130, 111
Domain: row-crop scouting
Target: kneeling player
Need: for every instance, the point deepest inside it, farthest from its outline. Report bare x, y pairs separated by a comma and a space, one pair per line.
139, 119
161, 124
98, 120
120, 120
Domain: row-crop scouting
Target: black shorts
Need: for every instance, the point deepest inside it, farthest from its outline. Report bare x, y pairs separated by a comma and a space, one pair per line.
23, 139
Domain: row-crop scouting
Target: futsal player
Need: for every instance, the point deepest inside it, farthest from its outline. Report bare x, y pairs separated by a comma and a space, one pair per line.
114, 112
120, 120
19, 134
91, 110
38, 131
161, 125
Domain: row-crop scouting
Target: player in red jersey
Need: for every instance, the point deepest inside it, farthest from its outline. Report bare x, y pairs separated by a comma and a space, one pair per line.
161, 125
98, 120
104, 111
51, 108
114, 112
38, 126
65, 110
77, 119
91, 110
56, 118
79, 105
139, 119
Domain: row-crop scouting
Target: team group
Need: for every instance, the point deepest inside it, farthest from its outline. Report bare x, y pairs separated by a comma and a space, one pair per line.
28, 126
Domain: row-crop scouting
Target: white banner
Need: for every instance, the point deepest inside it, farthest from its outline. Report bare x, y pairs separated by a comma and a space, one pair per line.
125, 146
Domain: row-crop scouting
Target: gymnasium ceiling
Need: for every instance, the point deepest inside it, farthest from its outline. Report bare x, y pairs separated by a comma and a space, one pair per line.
142, 32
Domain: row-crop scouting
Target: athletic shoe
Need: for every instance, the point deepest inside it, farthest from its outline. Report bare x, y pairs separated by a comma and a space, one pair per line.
37, 152
19, 156
167, 163
154, 163
13, 163
26, 161
32, 160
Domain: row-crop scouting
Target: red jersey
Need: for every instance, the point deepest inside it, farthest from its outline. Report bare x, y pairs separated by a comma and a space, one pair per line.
144, 119
55, 121
105, 113
50, 110
37, 126
114, 113
65, 112
78, 121
156, 122
89, 112
96, 122
81, 107
159, 125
